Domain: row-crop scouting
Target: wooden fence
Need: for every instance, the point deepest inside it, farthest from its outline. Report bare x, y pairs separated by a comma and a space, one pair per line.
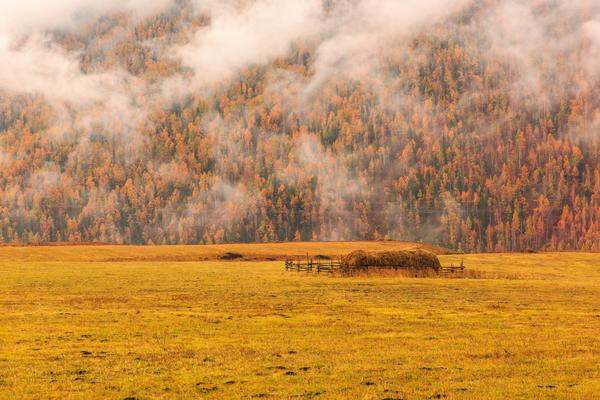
331, 266
311, 265
453, 270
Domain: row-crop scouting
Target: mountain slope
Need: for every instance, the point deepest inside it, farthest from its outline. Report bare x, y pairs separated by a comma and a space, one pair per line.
197, 125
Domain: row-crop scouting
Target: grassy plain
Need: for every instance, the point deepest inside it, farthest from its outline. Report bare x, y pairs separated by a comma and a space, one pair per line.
115, 322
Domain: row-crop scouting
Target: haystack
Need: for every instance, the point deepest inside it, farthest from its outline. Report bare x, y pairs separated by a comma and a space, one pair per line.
416, 259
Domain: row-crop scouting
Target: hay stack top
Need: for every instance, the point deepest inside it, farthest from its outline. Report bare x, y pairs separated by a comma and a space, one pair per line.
417, 258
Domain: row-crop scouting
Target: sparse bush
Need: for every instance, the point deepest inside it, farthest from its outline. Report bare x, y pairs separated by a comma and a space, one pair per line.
230, 256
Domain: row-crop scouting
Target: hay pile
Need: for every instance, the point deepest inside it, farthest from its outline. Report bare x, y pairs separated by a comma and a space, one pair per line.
418, 259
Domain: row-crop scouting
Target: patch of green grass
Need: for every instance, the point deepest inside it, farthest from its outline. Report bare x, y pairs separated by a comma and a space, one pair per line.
225, 330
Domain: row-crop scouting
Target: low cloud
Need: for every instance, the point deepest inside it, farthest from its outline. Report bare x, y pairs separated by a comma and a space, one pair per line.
255, 34
27, 16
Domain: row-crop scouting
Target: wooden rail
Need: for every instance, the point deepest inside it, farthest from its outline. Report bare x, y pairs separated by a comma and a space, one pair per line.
452, 269
313, 266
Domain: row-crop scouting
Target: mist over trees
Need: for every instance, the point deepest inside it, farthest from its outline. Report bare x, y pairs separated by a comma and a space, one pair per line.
470, 124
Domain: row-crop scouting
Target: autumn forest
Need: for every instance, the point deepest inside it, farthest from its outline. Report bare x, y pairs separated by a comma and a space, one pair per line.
476, 128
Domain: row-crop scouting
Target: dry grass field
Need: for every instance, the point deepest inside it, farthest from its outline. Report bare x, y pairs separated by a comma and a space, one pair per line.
115, 322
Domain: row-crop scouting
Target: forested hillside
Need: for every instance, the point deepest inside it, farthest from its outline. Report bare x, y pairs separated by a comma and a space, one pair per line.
477, 128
